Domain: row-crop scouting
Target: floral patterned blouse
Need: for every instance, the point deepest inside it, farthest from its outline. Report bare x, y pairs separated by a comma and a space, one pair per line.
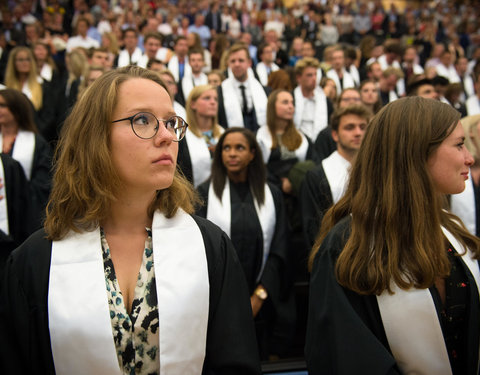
136, 335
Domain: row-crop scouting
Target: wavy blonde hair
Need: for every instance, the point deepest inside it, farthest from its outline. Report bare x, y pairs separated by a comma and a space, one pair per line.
85, 181
12, 79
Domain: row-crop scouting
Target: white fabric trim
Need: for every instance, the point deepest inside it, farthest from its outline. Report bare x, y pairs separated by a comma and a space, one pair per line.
262, 72
47, 72
418, 344
124, 57
347, 80
173, 67
265, 141
199, 157
220, 213
463, 205
473, 105
189, 82
81, 333
321, 111
232, 105
179, 110
23, 150
3, 202
337, 170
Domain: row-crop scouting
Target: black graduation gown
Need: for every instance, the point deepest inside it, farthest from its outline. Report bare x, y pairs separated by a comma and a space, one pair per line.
40, 180
315, 199
25, 340
45, 117
18, 208
184, 161
324, 144
246, 233
345, 333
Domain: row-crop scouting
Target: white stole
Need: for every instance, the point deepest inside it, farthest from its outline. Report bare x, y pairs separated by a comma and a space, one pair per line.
262, 72
337, 170
174, 68
463, 205
199, 157
3, 202
232, 104
47, 72
189, 82
347, 80
124, 58
180, 110
473, 105
265, 141
79, 318
220, 213
23, 150
417, 343
321, 110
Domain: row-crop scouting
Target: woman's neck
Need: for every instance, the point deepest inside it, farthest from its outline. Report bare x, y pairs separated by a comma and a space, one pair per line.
9, 129
238, 177
128, 215
22, 78
280, 126
205, 123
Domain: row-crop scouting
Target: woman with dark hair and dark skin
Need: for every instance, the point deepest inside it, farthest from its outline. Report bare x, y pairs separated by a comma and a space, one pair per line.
395, 277
239, 200
19, 138
123, 278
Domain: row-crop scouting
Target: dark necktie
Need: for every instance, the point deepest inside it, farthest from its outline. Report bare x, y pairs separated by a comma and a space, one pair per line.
244, 99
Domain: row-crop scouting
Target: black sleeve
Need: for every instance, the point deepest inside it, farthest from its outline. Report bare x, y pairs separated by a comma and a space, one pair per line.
45, 116
222, 116
203, 192
25, 340
231, 342
41, 179
315, 199
345, 334
324, 144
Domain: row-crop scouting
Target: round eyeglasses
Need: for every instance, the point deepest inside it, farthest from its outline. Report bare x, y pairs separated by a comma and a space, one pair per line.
145, 125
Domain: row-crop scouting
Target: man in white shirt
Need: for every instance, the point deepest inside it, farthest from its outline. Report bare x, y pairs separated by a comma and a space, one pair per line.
338, 73
241, 98
266, 64
131, 54
196, 76
152, 44
178, 63
311, 104
81, 39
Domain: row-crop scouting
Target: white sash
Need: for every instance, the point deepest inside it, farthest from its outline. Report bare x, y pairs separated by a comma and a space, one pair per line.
232, 105
173, 67
180, 110
199, 157
189, 82
265, 142
47, 72
79, 318
23, 150
347, 80
124, 57
219, 212
463, 205
418, 344
337, 170
262, 72
321, 110
473, 105
3, 202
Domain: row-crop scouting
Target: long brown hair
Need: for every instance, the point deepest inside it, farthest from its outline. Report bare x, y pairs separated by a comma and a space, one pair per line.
396, 214
85, 180
291, 138
21, 109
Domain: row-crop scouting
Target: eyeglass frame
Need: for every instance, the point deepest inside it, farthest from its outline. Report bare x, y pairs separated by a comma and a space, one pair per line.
158, 124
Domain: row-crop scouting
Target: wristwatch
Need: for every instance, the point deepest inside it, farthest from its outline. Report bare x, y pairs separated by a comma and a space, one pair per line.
261, 293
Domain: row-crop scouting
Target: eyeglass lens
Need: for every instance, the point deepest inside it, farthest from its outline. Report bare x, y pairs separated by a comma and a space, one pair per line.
145, 125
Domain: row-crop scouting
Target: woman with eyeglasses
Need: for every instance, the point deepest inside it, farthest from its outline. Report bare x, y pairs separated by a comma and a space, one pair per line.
122, 278
251, 211
21, 74
196, 150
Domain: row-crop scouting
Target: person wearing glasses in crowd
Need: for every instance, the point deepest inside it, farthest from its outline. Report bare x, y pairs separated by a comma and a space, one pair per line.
122, 278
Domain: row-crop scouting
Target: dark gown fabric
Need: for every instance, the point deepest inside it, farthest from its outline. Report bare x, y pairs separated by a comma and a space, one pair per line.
324, 144
315, 199
184, 161
25, 340
345, 334
18, 208
276, 320
40, 181
46, 116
